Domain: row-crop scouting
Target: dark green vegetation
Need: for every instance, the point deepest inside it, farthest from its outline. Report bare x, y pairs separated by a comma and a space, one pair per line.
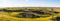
39, 12
56, 12
57, 18
25, 15
13, 10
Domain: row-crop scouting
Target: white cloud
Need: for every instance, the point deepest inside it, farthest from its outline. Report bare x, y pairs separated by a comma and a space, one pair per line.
26, 0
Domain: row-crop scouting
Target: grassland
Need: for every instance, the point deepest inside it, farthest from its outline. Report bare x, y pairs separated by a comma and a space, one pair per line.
6, 16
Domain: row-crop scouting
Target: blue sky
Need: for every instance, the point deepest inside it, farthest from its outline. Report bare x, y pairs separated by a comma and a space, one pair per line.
21, 3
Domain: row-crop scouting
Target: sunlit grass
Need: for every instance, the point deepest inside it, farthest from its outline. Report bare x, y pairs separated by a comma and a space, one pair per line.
9, 16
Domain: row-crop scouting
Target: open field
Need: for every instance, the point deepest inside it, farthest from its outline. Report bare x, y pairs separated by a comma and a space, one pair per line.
30, 14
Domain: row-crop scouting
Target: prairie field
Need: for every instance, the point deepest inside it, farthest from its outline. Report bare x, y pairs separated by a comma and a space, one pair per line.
29, 14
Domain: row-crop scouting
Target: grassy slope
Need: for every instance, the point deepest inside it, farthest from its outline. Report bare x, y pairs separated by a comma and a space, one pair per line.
4, 16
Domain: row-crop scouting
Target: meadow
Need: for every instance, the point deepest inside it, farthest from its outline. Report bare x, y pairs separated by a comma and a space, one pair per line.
48, 15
